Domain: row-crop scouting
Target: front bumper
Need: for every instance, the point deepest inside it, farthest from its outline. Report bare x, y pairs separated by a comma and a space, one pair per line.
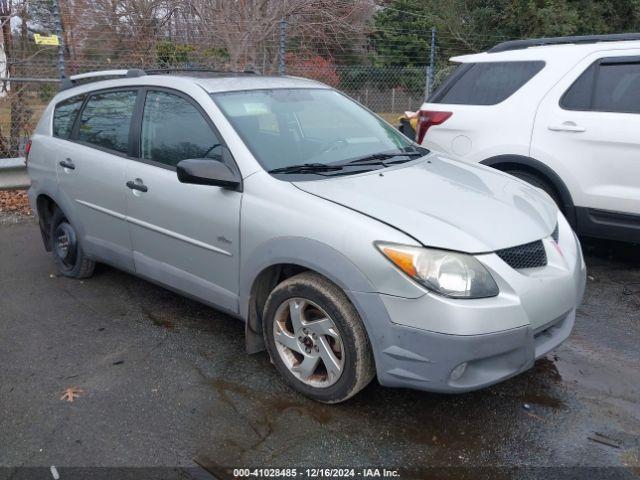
443, 345
425, 360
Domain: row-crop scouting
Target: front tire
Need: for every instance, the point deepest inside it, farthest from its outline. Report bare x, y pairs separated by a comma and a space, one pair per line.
69, 258
316, 339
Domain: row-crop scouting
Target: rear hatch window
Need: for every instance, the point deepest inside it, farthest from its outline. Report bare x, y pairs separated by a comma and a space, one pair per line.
485, 83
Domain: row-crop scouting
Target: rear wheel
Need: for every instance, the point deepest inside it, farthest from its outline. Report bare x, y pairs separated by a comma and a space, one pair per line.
537, 181
316, 339
67, 252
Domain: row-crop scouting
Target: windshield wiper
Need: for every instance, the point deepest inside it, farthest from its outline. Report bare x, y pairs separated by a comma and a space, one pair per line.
382, 157
307, 168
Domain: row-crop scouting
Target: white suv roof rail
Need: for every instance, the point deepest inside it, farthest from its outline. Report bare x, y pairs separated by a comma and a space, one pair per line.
100, 74
537, 42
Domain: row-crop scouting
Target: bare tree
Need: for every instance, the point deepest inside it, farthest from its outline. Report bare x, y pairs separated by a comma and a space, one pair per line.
237, 34
248, 28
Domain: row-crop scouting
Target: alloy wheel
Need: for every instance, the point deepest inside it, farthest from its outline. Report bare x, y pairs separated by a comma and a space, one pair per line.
308, 342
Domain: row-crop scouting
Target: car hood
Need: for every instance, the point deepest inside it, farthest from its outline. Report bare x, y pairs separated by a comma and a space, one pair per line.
447, 204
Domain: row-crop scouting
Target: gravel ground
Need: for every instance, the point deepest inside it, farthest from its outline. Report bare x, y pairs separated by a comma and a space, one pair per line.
164, 382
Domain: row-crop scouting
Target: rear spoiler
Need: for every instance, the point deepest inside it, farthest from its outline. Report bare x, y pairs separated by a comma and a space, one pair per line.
73, 80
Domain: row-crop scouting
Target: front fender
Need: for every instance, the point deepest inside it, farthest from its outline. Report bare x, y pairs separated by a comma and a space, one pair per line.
531, 164
306, 253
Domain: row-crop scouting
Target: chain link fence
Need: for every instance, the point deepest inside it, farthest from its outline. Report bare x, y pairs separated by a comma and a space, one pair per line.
22, 102
29, 79
91, 40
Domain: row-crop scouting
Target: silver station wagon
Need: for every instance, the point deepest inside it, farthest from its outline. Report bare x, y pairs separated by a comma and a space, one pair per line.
348, 250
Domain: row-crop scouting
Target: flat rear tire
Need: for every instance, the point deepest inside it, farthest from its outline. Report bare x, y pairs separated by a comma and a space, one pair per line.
67, 252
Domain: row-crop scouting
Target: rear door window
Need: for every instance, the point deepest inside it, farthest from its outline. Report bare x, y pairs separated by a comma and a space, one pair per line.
106, 118
609, 85
64, 115
617, 88
486, 83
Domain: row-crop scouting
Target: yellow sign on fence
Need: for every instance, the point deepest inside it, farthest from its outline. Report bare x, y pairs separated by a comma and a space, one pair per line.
42, 40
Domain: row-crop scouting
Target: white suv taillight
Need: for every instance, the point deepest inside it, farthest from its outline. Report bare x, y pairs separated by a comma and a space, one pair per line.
27, 149
428, 118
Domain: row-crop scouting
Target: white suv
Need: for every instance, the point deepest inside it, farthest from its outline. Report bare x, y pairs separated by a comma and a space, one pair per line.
561, 113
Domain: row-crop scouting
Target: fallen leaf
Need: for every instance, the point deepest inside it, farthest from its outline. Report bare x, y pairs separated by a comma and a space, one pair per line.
70, 393
14, 202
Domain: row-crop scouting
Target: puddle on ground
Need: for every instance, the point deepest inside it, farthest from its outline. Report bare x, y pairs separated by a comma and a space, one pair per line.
547, 368
271, 407
541, 382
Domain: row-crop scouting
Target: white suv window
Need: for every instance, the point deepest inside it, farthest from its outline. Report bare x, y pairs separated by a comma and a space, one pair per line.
486, 83
608, 85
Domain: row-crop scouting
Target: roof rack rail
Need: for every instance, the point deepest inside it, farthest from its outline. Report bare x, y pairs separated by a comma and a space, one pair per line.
537, 42
160, 71
72, 81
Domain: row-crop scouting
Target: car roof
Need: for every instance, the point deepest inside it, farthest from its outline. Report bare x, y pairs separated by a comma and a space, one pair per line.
548, 53
255, 82
211, 84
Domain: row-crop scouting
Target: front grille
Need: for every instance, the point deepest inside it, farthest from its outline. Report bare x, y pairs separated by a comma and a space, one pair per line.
529, 255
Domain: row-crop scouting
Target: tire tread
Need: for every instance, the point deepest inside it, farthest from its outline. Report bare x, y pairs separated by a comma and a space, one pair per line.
365, 365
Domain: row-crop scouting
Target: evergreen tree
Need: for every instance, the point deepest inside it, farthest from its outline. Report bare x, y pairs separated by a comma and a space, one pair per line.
402, 27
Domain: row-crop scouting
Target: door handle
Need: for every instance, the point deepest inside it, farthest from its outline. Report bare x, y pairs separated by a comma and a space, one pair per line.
137, 185
67, 163
567, 127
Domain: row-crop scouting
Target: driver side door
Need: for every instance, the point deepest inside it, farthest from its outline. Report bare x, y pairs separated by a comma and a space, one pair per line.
184, 236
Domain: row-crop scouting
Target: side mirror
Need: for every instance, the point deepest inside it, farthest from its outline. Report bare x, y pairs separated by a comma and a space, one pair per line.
206, 171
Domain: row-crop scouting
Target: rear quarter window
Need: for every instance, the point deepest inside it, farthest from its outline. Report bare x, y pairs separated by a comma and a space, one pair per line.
485, 83
579, 95
64, 116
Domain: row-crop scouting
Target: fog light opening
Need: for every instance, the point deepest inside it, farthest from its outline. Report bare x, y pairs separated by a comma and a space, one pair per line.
458, 372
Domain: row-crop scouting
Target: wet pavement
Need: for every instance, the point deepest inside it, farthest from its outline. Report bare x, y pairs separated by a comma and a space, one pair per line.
165, 382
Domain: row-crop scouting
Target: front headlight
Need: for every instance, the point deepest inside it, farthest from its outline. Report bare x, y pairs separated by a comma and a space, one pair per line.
452, 274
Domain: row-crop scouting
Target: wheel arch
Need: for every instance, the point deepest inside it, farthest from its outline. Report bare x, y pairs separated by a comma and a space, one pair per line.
281, 258
45, 206
45, 201
531, 165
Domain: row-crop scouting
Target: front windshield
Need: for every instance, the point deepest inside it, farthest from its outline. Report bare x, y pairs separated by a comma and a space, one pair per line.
286, 127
